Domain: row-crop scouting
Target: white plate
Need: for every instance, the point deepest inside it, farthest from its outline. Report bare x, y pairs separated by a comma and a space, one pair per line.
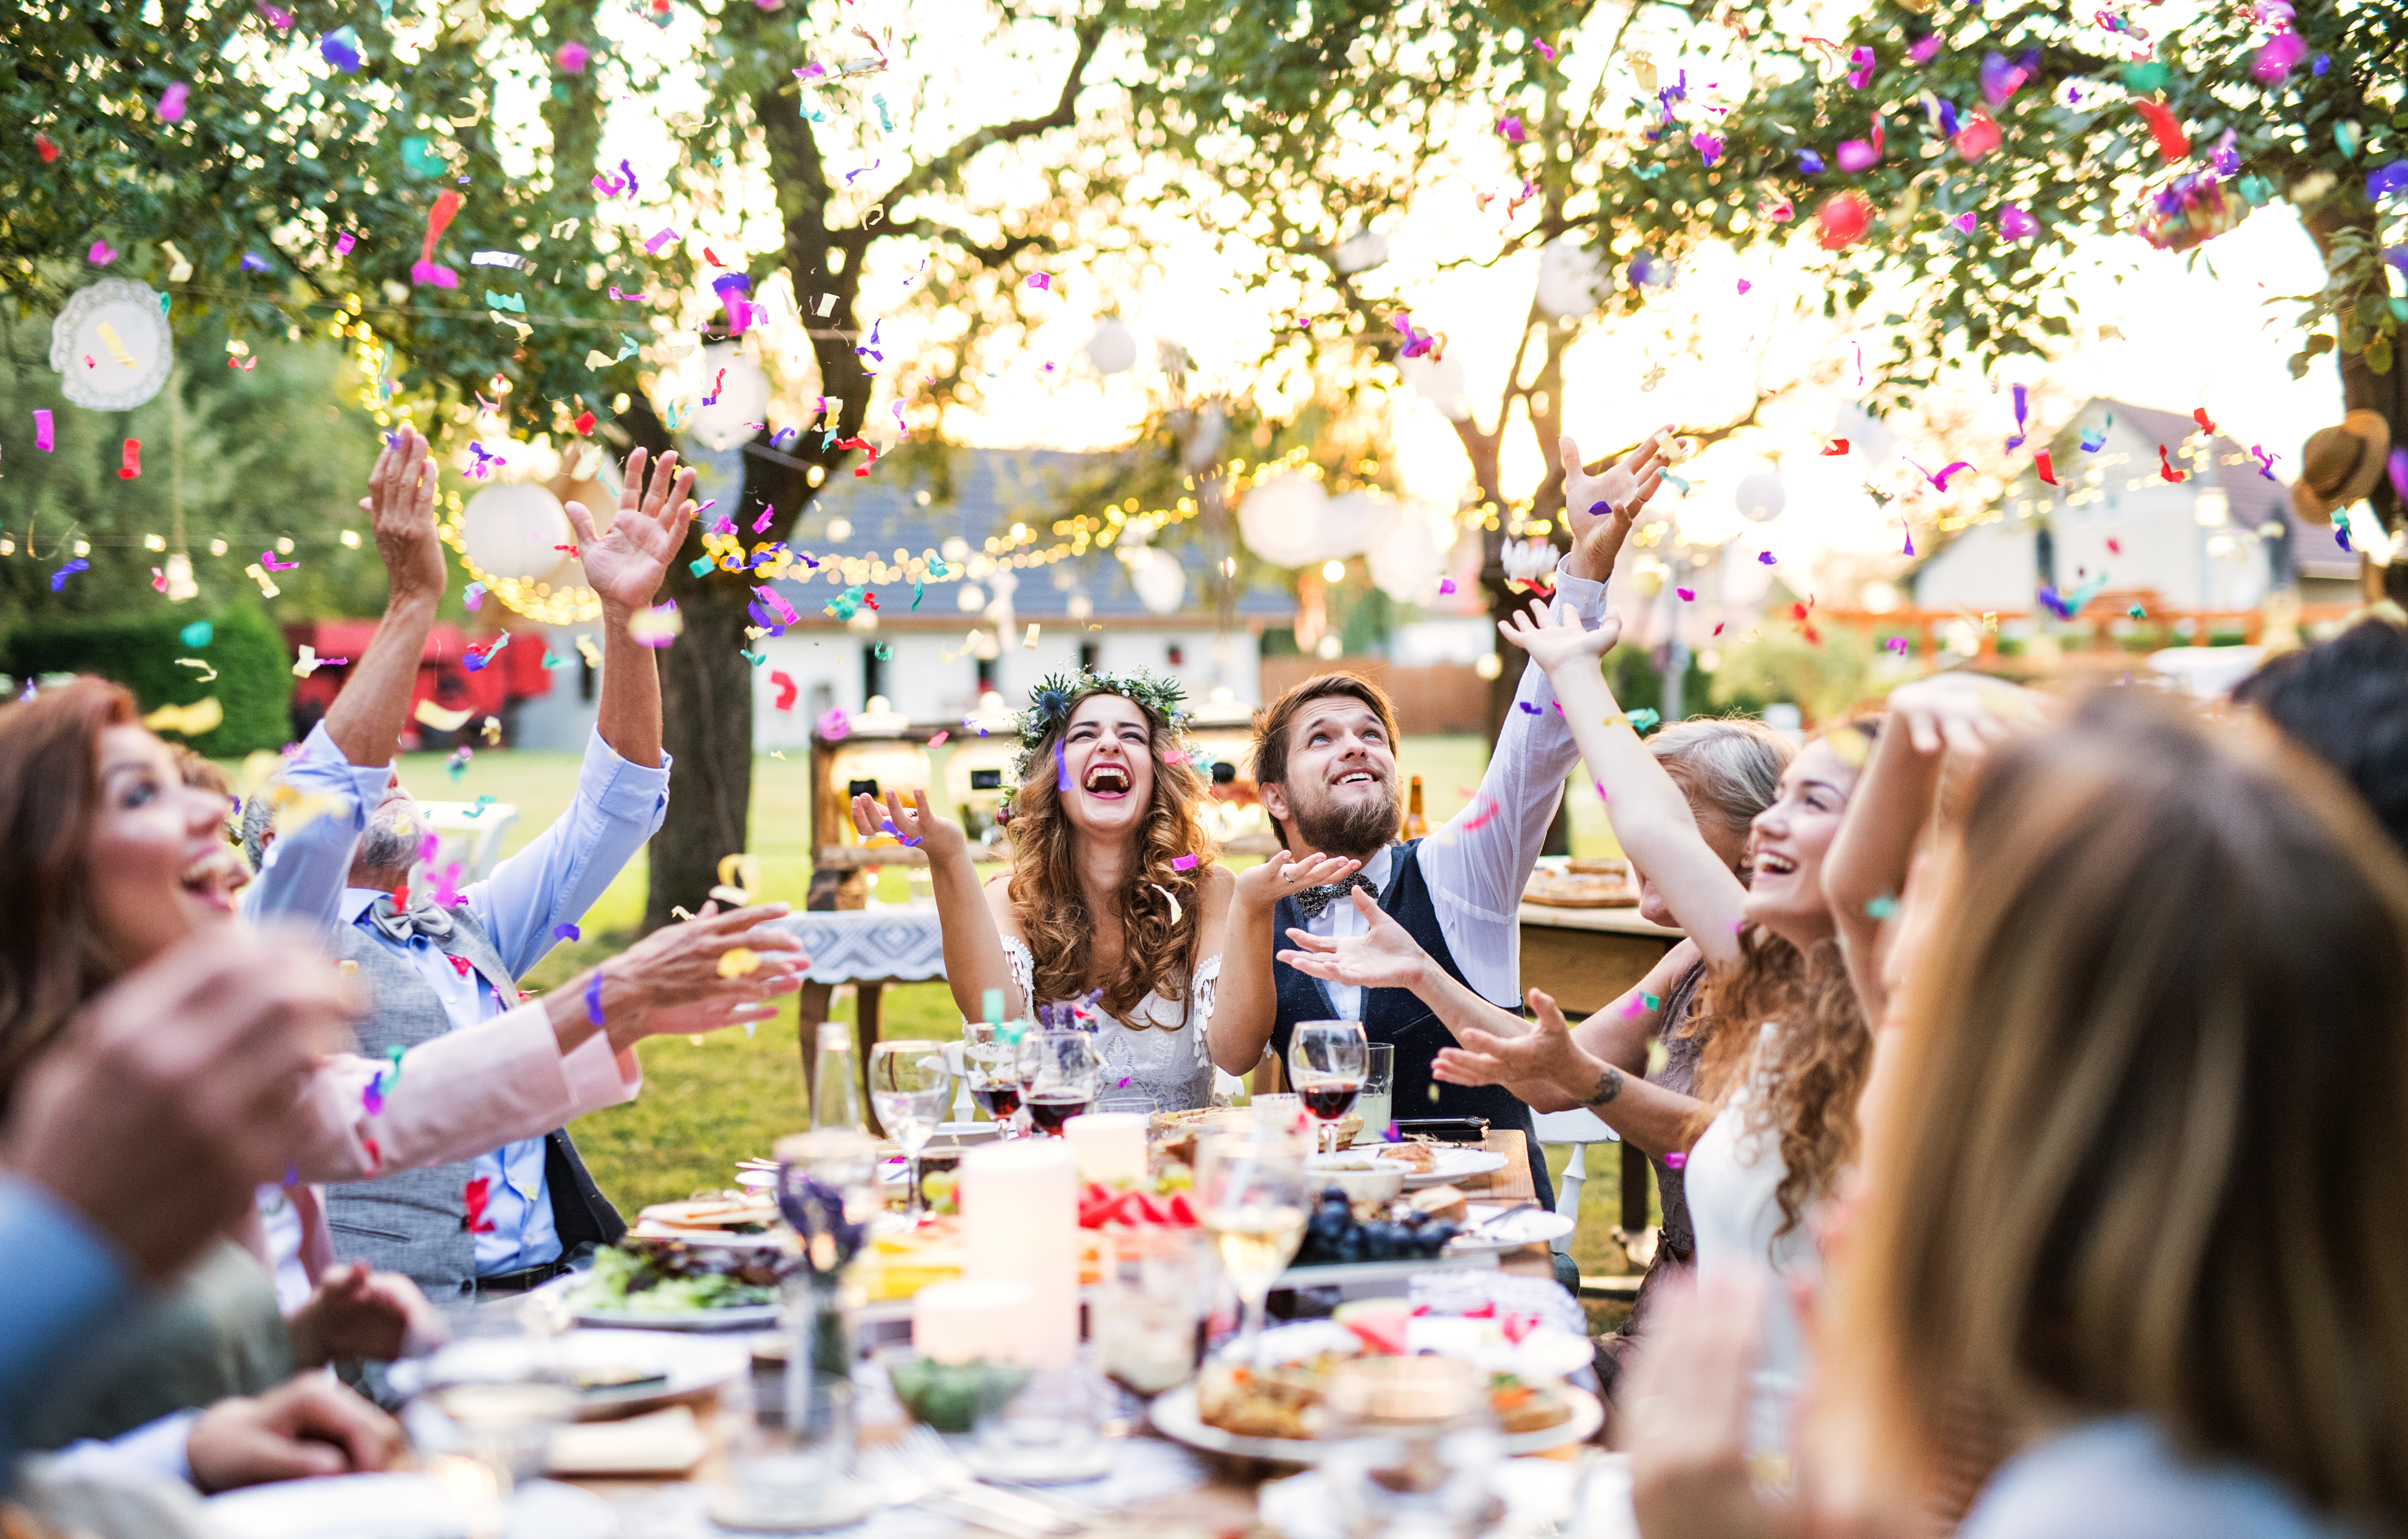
1174, 1416
1500, 1228
1538, 1495
1546, 1352
1456, 1164
740, 1318
684, 1367
399, 1507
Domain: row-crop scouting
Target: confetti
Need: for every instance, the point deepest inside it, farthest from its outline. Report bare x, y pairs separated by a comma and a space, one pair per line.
102, 254
198, 634
1445, 586
656, 627
786, 688
594, 998
1061, 770
427, 714
1688, 595
1028, 643
59, 577
567, 932
476, 1194
939, 740
477, 809
131, 466
735, 961
1168, 897
652, 247
267, 559
426, 270
197, 719
1837, 446
2047, 471
43, 438
1474, 825
340, 48
1883, 907
2165, 470
1183, 863
202, 670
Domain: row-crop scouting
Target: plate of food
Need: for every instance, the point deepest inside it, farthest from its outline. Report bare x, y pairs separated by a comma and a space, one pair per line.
653, 1284
1438, 1164
1273, 1407
744, 1219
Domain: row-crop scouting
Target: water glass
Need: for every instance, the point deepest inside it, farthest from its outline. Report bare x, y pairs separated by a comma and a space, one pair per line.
790, 1462
1143, 1315
488, 1406
908, 1082
1059, 1070
1377, 1101
1327, 1063
1412, 1448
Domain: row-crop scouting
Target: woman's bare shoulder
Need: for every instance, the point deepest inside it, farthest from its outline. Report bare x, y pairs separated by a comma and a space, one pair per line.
999, 904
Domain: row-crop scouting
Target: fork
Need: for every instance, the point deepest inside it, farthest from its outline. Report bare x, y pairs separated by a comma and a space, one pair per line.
928, 1455
900, 1482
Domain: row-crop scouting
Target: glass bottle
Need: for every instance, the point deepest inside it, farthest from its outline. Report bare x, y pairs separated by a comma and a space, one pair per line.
836, 1087
1416, 826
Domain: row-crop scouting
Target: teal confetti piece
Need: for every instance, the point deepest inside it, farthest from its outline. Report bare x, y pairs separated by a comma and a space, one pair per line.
919, 589
477, 808
1642, 718
756, 658
699, 566
1653, 1002
506, 301
1883, 907
1681, 485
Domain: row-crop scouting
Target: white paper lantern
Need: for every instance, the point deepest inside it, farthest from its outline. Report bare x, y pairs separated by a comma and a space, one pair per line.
512, 531
1361, 252
1113, 347
1160, 581
1345, 527
1572, 280
1407, 551
111, 346
1280, 519
1759, 497
1443, 383
743, 397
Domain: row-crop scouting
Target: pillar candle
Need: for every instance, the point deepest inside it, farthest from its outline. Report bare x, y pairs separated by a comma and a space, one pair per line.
1111, 1145
1019, 1223
986, 1318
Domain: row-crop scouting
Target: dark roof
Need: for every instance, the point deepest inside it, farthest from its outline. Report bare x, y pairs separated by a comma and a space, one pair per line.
991, 489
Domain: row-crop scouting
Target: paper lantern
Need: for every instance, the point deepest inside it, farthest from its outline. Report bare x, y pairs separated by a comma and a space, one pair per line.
1281, 518
1160, 581
743, 397
1843, 219
1345, 527
1572, 280
1361, 252
513, 531
111, 346
1441, 382
1113, 347
1407, 552
1759, 497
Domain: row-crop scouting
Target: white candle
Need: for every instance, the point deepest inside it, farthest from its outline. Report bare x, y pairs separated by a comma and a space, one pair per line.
1019, 1223
1111, 1145
973, 1318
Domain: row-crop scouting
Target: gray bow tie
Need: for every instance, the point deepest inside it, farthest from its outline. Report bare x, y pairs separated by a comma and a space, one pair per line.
423, 918
1313, 899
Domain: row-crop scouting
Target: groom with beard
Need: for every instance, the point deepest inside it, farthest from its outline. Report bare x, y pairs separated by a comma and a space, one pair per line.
1325, 760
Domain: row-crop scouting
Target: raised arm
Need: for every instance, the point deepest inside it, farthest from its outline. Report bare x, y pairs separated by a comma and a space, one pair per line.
1650, 817
1656, 1120
366, 719
974, 959
1247, 1007
624, 566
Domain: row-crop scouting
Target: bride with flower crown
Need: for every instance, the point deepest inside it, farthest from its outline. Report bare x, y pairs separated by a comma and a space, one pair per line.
1103, 897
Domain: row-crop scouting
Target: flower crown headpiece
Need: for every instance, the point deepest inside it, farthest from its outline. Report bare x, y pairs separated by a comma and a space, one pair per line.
1050, 705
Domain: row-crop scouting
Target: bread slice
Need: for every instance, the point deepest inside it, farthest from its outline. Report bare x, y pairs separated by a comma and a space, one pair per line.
1446, 1202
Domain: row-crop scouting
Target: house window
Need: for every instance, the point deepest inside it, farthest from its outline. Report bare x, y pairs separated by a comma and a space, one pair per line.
1177, 655
873, 671
985, 674
2044, 555
1089, 656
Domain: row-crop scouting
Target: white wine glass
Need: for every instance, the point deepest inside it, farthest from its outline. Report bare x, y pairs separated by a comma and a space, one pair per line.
908, 1085
1251, 1191
1327, 1062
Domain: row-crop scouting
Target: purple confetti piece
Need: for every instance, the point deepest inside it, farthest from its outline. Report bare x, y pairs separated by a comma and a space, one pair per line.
1061, 770
567, 932
594, 998
372, 1099
2399, 467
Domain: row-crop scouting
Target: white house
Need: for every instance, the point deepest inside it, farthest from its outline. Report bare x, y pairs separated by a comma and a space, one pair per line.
2221, 539
1083, 608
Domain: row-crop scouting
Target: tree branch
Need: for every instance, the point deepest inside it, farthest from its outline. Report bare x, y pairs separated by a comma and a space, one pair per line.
938, 170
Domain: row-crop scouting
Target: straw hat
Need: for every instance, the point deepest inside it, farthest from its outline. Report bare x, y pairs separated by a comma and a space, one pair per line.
2341, 465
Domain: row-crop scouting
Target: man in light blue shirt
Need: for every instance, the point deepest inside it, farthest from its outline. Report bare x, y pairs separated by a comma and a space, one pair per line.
433, 959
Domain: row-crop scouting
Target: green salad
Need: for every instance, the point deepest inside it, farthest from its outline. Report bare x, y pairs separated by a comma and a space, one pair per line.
653, 1276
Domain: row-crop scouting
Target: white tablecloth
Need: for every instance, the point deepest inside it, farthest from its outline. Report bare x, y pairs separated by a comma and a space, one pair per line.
855, 945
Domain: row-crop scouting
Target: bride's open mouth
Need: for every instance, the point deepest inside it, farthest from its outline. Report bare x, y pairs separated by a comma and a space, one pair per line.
1108, 781
215, 877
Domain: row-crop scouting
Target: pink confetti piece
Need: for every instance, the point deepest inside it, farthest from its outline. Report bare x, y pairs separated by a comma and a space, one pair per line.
344, 242
267, 559
1183, 863
1041, 280
652, 247
939, 740
102, 254
171, 102
1446, 585
1688, 595
1675, 1159
46, 440
1481, 821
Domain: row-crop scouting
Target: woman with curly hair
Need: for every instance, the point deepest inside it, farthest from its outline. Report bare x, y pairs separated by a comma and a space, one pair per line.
1112, 893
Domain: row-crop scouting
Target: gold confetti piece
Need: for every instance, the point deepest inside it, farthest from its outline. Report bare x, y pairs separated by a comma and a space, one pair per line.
257, 573
677, 911
195, 720
116, 345
739, 876
182, 269
347, 968
587, 650
430, 714
492, 731
1028, 643
736, 962
656, 627
206, 672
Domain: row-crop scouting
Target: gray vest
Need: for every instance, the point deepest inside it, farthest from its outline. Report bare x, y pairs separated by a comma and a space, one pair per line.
416, 1222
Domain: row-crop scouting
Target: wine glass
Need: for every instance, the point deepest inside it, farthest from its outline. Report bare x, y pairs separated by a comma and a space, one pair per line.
991, 1064
1327, 1062
1058, 1070
908, 1082
1251, 1191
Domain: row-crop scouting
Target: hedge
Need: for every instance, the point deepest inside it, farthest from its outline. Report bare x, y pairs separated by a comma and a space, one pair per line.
253, 682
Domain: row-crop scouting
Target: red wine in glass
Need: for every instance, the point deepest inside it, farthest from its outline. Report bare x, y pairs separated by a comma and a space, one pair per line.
999, 1099
1329, 1099
1050, 1112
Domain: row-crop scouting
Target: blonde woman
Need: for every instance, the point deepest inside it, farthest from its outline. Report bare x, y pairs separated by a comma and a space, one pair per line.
1113, 890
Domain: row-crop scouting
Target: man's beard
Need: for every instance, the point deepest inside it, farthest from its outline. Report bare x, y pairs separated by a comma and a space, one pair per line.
391, 841
1357, 829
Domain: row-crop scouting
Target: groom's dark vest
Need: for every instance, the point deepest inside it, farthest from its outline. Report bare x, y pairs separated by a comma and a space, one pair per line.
415, 1222
1397, 1015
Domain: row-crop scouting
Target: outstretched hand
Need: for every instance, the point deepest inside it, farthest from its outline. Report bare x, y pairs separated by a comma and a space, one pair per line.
1545, 1052
625, 563
675, 979
1261, 887
1599, 509
400, 506
1555, 642
918, 825
1385, 957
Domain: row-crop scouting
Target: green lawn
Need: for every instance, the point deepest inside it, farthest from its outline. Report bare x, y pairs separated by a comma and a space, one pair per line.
710, 1101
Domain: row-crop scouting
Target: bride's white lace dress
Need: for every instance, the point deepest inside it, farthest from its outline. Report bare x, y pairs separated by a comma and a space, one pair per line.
1161, 1051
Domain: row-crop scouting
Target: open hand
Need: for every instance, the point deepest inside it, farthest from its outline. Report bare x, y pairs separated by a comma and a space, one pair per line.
356, 1312
625, 563
400, 506
937, 838
1599, 509
1387, 956
309, 1426
1546, 1053
1261, 887
1561, 643
1966, 714
670, 980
